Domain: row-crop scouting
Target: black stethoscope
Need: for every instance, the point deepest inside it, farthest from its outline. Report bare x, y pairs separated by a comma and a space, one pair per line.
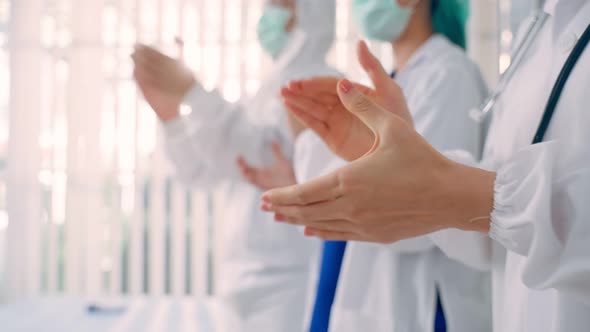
534, 29
564, 75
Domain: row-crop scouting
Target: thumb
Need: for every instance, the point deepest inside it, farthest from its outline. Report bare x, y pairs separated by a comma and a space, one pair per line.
371, 65
391, 93
362, 106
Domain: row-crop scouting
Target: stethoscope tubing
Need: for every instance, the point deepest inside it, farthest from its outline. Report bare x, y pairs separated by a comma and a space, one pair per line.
560, 83
539, 20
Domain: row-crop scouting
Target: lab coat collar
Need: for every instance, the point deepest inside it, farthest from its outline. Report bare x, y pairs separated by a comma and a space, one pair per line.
580, 22
293, 49
311, 39
570, 19
550, 7
424, 51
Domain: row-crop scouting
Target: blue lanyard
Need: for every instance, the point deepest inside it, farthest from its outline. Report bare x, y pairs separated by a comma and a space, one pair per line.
332, 256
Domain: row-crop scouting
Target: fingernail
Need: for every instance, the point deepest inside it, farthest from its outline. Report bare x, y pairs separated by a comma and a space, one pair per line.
309, 232
345, 86
265, 207
280, 218
266, 198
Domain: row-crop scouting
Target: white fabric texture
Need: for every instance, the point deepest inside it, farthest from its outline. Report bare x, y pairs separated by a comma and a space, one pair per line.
263, 265
392, 288
540, 259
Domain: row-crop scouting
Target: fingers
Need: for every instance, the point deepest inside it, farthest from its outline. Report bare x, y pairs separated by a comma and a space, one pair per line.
319, 127
141, 58
142, 78
278, 154
145, 83
363, 107
313, 86
143, 65
317, 109
371, 65
248, 172
321, 89
145, 73
243, 164
338, 225
310, 215
392, 97
332, 235
150, 54
151, 62
322, 189
364, 89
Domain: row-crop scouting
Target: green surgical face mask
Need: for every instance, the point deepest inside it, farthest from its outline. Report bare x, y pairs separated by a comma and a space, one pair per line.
382, 20
271, 29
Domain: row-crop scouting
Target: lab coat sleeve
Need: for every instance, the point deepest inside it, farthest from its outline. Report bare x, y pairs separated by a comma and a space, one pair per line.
470, 248
204, 145
413, 245
190, 167
541, 211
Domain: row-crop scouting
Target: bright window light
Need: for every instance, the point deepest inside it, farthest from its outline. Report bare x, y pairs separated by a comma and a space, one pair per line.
3, 220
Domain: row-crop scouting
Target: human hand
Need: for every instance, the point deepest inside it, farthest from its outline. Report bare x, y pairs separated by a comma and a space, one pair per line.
402, 188
164, 81
280, 174
316, 103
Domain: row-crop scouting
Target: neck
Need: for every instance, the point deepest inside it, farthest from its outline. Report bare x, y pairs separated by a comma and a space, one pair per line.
418, 32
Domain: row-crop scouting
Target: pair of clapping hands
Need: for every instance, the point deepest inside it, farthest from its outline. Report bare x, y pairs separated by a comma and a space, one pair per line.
396, 185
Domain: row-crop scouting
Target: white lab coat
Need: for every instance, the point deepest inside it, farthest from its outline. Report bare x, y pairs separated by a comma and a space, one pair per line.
541, 218
262, 266
393, 288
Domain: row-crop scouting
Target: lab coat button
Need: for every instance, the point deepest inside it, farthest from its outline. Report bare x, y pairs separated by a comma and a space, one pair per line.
568, 42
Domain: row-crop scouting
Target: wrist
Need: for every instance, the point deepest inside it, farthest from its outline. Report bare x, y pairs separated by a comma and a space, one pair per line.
473, 193
171, 111
174, 128
169, 115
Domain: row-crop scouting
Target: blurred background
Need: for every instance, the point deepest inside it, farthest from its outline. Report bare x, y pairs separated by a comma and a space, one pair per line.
87, 203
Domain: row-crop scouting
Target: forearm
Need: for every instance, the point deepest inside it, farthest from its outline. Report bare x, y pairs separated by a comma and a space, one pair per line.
470, 248
190, 167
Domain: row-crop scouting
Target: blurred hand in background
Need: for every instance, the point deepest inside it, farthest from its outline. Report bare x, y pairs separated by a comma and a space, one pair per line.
163, 80
280, 174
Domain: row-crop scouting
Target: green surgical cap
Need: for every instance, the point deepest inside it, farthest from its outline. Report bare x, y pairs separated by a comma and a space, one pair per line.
449, 18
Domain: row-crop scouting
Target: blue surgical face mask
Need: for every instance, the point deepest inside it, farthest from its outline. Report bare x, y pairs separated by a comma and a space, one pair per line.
382, 20
271, 29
